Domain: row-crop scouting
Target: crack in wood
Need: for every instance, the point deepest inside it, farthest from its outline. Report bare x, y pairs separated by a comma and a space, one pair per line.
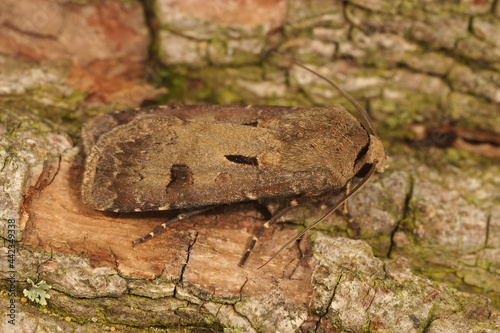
188, 255
330, 301
406, 210
28, 33
488, 226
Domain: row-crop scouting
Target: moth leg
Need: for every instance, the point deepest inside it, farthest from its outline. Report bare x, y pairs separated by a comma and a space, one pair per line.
348, 216
263, 229
263, 210
304, 255
170, 222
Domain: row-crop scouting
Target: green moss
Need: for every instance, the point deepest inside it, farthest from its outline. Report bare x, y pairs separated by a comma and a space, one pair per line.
211, 85
238, 52
380, 245
397, 112
28, 114
174, 79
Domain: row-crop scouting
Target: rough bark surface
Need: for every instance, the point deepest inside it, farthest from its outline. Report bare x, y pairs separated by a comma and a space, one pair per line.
428, 257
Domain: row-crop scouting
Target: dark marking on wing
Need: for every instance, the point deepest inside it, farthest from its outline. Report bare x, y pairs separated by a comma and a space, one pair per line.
252, 124
240, 159
180, 175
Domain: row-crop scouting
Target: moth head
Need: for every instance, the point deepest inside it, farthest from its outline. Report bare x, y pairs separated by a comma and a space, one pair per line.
376, 154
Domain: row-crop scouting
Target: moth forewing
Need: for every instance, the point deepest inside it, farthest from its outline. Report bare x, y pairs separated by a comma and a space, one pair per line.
166, 162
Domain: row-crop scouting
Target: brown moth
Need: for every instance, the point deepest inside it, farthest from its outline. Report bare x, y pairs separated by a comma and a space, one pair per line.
193, 157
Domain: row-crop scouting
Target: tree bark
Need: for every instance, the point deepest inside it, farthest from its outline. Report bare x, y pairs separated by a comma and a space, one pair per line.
431, 221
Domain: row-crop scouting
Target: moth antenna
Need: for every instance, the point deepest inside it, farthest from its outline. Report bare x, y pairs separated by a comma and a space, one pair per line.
331, 210
345, 94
